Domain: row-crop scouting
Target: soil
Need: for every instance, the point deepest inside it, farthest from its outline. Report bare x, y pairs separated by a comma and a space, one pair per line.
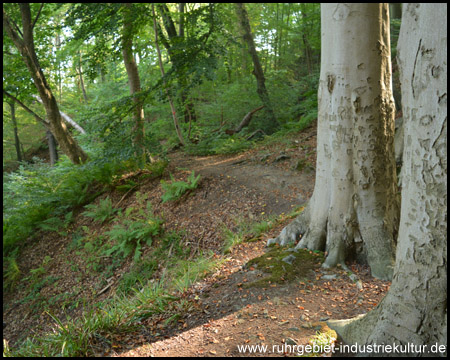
226, 312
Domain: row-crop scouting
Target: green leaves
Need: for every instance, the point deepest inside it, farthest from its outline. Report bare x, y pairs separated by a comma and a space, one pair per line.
176, 189
129, 235
101, 212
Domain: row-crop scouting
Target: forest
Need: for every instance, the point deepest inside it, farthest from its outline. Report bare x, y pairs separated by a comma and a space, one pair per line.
224, 179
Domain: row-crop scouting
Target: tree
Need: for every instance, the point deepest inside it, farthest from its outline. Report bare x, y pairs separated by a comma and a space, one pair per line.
133, 75
191, 50
257, 71
12, 106
161, 67
415, 308
23, 40
354, 203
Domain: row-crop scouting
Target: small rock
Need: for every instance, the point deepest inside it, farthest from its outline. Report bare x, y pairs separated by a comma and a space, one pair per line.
359, 285
270, 242
294, 329
289, 259
290, 341
329, 277
276, 300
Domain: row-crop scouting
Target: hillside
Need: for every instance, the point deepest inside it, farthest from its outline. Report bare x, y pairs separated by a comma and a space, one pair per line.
65, 275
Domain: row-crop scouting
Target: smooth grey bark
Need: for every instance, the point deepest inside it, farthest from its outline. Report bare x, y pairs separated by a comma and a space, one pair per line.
415, 309
354, 204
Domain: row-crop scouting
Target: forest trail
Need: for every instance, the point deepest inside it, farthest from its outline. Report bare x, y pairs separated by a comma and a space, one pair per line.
223, 312
227, 318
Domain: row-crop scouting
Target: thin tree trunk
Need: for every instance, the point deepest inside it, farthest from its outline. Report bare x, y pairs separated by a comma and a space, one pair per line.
25, 45
52, 148
80, 74
280, 38
276, 35
59, 81
257, 71
181, 23
308, 51
46, 123
134, 81
414, 312
16, 134
186, 103
287, 27
161, 67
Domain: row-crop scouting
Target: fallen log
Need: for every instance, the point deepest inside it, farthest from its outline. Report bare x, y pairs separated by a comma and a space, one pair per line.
65, 117
245, 121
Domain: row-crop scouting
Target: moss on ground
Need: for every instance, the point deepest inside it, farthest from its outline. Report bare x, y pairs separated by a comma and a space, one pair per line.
280, 271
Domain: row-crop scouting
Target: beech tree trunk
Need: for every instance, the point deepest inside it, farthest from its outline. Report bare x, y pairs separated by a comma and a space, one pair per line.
257, 69
25, 45
354, 207
134, 81
415, 308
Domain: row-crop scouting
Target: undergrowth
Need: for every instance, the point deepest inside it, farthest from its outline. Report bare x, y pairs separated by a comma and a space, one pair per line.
174, 190
142, 293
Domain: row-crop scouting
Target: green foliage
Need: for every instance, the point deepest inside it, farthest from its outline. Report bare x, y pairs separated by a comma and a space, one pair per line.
176, 189
12, 274
188, 272
246, 231
280, 271
101, 212
129, 235
36, 192
138, 276
156, 168
121, 314
322, 341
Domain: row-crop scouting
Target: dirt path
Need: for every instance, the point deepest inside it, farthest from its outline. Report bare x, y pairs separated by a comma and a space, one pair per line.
229, 316
224, 313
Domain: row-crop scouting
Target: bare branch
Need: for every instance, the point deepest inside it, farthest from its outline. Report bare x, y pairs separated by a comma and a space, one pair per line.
37, 16
36, 116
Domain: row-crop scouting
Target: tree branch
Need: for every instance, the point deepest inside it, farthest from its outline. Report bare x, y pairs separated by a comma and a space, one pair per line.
37, 16
26, 23
12, 33
65, 117
36, 116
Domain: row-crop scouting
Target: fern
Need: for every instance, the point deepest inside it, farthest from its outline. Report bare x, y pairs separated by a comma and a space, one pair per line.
129, 236
176, 189
100, 212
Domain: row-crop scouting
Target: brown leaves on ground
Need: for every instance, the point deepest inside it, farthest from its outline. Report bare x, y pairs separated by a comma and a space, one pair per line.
218, 314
